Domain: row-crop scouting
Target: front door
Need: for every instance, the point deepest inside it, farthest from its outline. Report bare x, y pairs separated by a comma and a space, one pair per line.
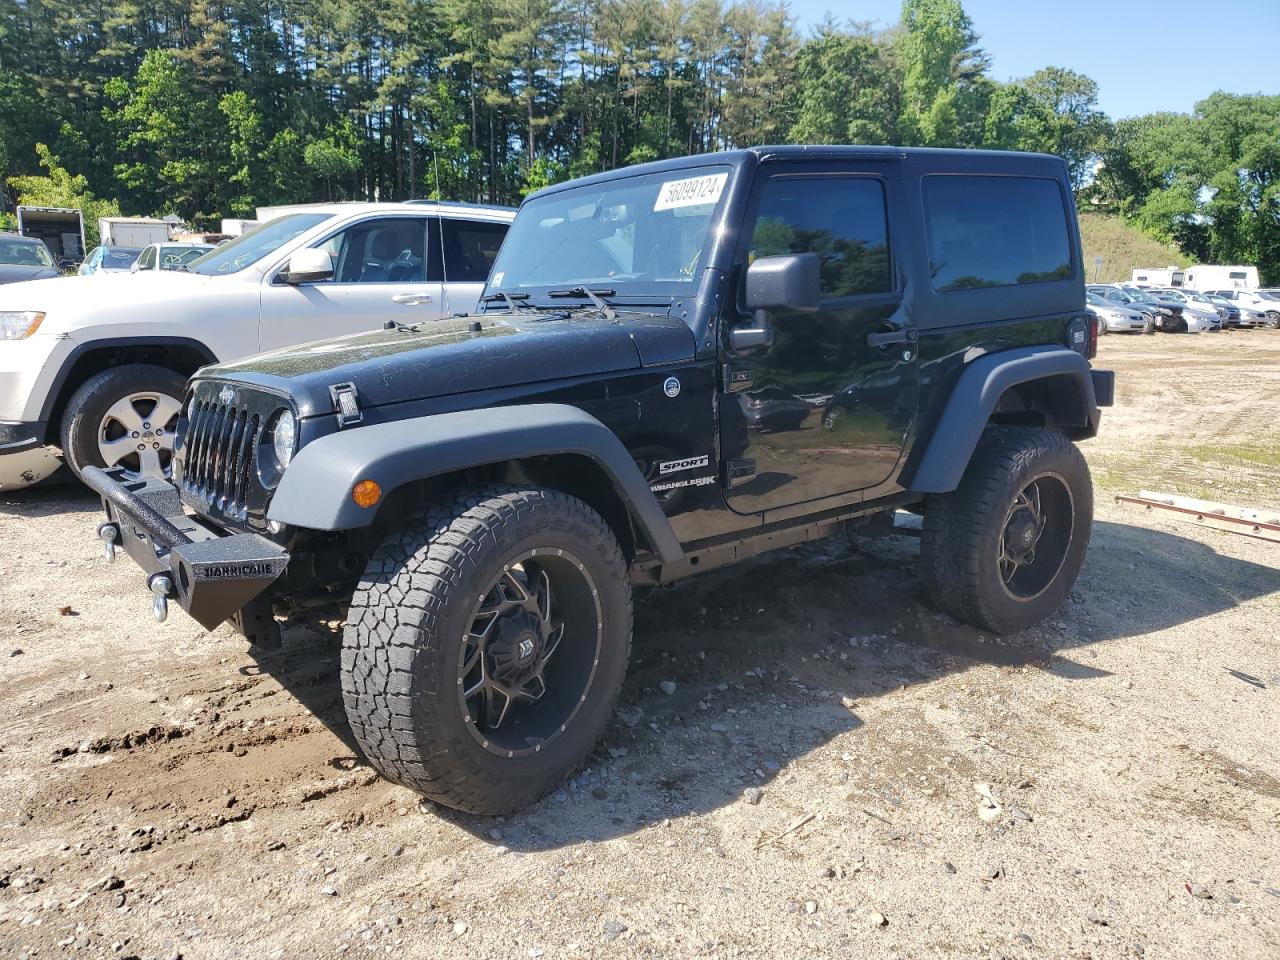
824, 408
384, 268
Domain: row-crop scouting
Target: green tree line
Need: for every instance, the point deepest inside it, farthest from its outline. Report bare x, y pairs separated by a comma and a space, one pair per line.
208, 108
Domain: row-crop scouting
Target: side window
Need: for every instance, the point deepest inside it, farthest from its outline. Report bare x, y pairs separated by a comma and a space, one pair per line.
470, 247
841, 219
386, 250
989, 231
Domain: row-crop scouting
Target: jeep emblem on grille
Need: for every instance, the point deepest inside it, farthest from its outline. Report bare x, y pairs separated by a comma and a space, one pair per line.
226, 395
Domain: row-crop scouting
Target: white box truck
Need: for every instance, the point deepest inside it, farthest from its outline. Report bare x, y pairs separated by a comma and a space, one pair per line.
131, 231
61, 229
1169, 276
235, 227
1219, 277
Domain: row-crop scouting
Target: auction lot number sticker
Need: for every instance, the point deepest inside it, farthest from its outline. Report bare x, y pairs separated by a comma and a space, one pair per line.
693, 192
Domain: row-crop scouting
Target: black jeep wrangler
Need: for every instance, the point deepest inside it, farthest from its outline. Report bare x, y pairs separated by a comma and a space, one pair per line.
674, 367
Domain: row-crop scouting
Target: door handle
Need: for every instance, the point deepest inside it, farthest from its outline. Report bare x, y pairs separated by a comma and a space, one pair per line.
887, 338
411, 299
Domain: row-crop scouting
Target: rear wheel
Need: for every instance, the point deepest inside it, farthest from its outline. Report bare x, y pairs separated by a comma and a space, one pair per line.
486, 645
1003, 551
124, 417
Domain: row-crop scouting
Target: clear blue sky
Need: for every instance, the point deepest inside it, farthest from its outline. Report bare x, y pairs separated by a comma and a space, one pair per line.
1145, 55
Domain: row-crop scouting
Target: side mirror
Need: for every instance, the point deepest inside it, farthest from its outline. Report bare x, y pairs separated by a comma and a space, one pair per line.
790, 282
308, 265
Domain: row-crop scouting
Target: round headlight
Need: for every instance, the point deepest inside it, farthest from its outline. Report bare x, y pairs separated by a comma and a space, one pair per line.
284, 438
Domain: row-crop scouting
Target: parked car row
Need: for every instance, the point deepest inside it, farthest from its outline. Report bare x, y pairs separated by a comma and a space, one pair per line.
169, 255
1180, 310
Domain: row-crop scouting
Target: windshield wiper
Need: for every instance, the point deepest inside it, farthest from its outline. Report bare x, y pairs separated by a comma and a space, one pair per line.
593, 295
510, 300
525, 308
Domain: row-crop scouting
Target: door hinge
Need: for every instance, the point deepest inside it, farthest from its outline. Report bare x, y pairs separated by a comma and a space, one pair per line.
736, 379
738, 471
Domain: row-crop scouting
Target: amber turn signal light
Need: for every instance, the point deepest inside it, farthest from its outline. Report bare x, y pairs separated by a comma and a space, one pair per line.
366, 493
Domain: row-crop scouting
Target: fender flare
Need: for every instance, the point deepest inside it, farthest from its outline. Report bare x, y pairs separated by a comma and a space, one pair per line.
85, 347
315, 491
974, 398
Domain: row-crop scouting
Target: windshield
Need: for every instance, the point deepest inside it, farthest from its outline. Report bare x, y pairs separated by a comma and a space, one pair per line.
120, 258
24, 253
171, 258
1096, 300
248, 248
634, 235
1139, 295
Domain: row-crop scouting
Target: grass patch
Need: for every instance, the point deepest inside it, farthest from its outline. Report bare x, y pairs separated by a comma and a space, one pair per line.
1183, 472
1237, 454
1120, 474
1122, 248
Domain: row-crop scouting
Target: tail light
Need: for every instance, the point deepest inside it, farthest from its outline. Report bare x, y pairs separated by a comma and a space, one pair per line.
1082, 335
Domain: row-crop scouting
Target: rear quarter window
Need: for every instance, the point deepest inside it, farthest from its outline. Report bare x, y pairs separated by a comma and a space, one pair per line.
995, 231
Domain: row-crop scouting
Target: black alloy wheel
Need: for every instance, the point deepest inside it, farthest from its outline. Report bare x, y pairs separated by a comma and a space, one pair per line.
530, 653
1036, 536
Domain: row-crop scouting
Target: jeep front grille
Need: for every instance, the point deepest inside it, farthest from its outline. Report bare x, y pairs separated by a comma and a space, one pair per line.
221, 453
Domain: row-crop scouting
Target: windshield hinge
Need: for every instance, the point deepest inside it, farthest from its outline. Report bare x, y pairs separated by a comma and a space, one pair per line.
736, 379
738, 471
346, 404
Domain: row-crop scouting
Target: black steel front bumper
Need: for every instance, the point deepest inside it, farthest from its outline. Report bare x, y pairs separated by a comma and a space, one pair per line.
214, 575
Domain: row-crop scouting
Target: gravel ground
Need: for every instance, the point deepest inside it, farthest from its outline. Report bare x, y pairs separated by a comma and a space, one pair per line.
839, 771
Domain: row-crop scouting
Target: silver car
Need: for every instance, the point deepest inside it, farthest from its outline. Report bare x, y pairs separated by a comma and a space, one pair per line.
1115, 317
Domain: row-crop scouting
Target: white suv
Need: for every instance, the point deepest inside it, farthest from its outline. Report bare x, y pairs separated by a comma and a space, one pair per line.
94, 369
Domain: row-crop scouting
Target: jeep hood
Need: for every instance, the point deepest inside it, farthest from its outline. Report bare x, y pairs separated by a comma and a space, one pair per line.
462, 355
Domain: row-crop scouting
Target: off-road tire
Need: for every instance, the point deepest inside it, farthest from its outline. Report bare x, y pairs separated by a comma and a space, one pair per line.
962, 530
401, 645
91, 401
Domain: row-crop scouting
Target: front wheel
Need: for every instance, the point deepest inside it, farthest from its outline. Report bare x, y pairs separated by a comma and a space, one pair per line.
1004, 550
486, 645
124, 417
